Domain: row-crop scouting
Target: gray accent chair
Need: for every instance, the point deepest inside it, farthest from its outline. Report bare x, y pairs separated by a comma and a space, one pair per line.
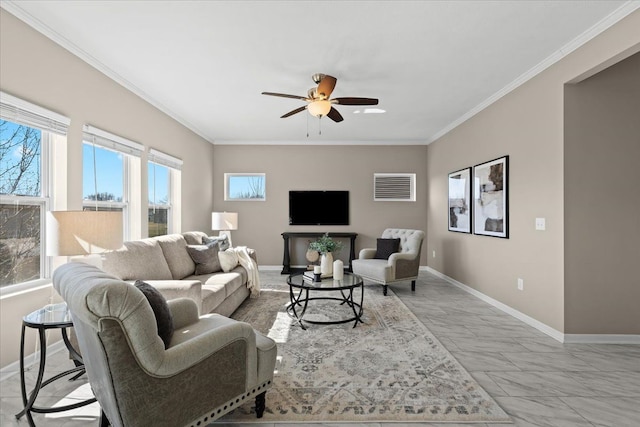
213, 364
401, 266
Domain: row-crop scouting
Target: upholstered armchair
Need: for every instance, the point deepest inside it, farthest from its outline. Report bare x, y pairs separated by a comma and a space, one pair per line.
384, 268
211, 365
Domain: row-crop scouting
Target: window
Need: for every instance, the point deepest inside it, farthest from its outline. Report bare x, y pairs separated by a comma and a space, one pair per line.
244, 186
110, 167
27, 136
163, 175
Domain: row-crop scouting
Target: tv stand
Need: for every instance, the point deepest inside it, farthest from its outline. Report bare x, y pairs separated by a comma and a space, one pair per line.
286, 258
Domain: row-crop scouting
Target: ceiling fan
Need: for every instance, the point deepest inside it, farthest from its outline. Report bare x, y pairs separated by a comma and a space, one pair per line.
318, 102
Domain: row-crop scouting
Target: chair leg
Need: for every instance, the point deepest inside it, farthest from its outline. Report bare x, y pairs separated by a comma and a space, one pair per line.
413, 285
260, 404
104, 421
384, 290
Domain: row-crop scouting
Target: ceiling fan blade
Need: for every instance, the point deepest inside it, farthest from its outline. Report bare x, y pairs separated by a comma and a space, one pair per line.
326, 85
292, 112
355, 101
284, 95
335, 115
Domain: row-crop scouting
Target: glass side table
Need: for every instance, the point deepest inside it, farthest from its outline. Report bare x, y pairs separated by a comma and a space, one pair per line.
54, 316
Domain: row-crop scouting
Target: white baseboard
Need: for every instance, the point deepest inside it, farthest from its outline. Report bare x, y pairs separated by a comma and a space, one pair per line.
30, 360
542, 327
601, 339
269, 267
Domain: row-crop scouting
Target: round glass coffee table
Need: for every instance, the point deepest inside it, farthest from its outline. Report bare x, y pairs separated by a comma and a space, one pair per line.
301, 289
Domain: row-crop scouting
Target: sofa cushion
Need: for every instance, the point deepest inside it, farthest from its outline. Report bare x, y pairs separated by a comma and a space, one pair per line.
164, 319
139, 259
205, 258
222, 241
228, 260
194, 237
386, 247
174, 248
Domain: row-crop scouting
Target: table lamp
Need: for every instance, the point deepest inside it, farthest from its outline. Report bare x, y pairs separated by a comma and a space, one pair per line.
224, 222
72, 233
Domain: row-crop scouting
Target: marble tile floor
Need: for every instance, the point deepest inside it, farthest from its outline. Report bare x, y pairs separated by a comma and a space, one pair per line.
537, 380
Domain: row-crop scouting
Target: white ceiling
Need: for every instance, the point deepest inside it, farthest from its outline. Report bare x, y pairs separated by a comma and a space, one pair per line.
431, 63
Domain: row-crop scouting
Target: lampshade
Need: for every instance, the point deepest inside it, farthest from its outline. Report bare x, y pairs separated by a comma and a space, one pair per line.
83, 232
319, 108
224, 221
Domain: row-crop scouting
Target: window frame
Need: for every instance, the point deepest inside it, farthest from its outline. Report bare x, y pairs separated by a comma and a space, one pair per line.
229, 198
131, 153
21, 112
174, 165
168, 206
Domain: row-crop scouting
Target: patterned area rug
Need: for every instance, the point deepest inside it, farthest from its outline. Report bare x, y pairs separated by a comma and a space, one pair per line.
388, 369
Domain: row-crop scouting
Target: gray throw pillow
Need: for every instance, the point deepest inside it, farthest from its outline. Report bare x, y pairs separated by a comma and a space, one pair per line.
386, 247
222, 241
160, 308
205, 257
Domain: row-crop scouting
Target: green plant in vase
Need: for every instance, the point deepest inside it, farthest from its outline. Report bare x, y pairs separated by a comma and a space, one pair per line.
325, 245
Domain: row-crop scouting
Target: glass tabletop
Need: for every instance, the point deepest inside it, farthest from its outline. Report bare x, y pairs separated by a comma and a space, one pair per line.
348, 281
50, 315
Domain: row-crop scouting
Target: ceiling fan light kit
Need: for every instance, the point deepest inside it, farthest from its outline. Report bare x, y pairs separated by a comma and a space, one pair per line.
318, 99
319, 108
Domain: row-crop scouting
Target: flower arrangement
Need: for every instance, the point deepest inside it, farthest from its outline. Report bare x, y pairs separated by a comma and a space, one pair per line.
325, 244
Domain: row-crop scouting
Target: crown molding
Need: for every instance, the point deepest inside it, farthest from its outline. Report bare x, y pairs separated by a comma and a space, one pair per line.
598, 28
324, 143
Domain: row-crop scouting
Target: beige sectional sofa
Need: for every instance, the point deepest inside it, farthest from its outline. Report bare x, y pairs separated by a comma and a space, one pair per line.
164, 263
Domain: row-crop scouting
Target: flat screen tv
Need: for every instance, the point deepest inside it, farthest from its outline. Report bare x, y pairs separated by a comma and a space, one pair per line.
318, 208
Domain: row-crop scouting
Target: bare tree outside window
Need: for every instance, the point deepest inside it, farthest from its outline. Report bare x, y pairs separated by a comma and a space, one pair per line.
20, 175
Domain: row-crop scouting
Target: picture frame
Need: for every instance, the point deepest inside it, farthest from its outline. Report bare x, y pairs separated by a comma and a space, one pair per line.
459, 197
491, 198
245, 187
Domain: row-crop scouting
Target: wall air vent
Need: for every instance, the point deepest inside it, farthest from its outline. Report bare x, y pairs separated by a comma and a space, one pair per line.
394, 187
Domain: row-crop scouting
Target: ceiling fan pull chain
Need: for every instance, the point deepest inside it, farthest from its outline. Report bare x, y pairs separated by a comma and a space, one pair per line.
307, 126
319, 125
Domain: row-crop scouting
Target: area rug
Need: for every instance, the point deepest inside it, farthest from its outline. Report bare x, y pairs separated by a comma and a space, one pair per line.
388, 369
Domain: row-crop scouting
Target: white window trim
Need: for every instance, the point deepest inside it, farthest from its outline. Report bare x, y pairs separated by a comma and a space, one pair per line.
48, 122
227, 196
174, 165
131, 200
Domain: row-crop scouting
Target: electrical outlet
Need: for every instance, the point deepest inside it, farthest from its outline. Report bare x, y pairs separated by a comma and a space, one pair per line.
541, 224
520, 284
434, 254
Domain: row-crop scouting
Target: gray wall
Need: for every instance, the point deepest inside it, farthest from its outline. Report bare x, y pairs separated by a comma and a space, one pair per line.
34, 68
602, 201
317, 167
527, 124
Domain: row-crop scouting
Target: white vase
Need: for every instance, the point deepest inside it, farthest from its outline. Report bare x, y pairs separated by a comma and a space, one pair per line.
326, 264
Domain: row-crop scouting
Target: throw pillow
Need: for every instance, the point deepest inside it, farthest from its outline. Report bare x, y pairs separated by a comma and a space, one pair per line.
222, 241
160, 308
205, 257
228, 259
386, 247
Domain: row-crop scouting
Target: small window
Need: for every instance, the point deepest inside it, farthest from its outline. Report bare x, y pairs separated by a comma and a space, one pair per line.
244, 186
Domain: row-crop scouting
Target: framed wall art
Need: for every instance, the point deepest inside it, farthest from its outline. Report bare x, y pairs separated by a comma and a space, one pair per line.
245, 187
460, 201
490, 198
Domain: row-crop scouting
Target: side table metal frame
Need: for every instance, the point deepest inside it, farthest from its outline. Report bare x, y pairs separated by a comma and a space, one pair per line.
29, 402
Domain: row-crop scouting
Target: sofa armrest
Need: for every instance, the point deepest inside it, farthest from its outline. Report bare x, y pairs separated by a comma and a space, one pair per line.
184, 312
367, 253
172, 289
404, 264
